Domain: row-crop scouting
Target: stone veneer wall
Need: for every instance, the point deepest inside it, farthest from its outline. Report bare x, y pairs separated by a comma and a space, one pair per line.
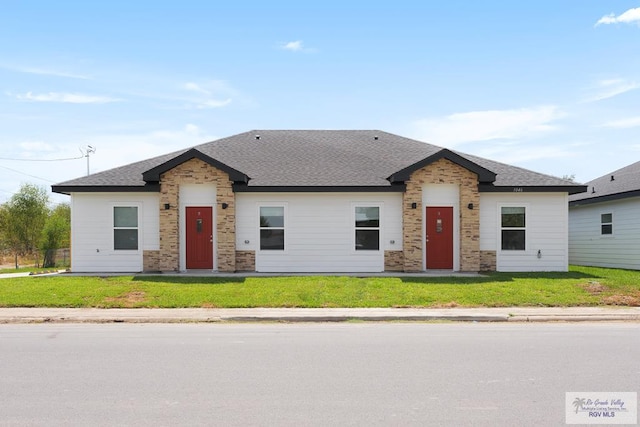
150, 260
393, 261
245, 260
488, 261
196, 171
442, 171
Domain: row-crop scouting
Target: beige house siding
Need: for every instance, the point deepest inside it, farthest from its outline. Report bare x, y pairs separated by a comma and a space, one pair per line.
442, 171
196, 171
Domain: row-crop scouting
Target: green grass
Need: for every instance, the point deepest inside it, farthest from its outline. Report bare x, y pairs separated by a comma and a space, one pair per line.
582, 286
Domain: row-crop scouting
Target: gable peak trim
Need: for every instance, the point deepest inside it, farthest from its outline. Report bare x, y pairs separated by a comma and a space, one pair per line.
484, 175
153, 175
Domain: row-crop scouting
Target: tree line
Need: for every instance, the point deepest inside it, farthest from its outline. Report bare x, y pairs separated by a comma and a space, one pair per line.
29, 226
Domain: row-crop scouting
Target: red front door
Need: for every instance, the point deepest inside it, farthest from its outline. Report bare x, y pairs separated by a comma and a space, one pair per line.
439, 239
199, 237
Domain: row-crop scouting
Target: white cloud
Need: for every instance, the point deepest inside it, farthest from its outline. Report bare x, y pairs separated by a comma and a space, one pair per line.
190, 135
608, 88
630, 122
194, 87
627, 17
487, 125
295, 46
44, 71
140, 146
208, 94
119, 148
526, 153
36, 146
212, 103
70, 98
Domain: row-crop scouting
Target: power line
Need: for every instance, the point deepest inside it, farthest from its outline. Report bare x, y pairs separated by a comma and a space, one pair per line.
32, 176
41, 160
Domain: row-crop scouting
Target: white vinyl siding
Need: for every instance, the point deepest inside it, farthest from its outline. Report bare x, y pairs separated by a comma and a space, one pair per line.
546, 231
92, 246
319, 231
587, 244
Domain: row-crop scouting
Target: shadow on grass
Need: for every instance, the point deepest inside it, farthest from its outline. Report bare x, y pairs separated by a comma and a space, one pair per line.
500, 277
451, 280
205, 280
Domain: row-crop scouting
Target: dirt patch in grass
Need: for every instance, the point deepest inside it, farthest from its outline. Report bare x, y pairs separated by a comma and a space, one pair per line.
626, 300
128, 300
594, 288
208, 305
450, 304
597, 288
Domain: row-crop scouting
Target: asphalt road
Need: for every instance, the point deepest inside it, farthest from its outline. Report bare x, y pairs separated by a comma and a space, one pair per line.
357, 374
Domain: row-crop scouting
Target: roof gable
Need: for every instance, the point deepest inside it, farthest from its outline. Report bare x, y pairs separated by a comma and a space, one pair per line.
484, 175
153, 174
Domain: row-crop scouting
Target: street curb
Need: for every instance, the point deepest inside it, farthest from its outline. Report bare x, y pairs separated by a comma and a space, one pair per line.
319, 315
320, 319
578, 318
251, 319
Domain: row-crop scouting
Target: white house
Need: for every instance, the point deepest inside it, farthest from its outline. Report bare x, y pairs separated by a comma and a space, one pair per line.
604, 222
318, 201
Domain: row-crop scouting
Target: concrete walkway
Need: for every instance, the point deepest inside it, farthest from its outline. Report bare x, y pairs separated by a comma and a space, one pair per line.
179, 315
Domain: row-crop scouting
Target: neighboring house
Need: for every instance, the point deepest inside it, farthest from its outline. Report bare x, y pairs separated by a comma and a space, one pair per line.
604, 222
318, 201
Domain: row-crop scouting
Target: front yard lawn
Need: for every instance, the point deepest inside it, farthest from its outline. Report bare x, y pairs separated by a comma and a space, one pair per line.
581, 286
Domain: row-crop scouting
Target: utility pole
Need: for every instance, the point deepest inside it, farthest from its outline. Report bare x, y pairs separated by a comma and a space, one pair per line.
89, 150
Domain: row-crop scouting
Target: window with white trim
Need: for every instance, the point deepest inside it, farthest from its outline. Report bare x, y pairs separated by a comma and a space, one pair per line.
125, 228
513, 228
606, 224
272, 228
367, 228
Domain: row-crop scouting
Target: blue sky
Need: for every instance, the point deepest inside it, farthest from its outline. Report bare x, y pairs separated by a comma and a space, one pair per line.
551, 86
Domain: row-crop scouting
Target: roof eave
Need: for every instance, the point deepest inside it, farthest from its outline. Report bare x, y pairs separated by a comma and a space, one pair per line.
243, 188
68, 189
571, 189
605, 198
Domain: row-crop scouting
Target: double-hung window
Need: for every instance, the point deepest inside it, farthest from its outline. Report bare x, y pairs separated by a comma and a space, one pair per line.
513, 228
367, 228
606, 224
125, 228
271, 228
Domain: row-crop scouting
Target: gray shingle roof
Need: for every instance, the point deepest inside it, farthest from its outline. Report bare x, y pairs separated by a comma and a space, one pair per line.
618, 184
313, 158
